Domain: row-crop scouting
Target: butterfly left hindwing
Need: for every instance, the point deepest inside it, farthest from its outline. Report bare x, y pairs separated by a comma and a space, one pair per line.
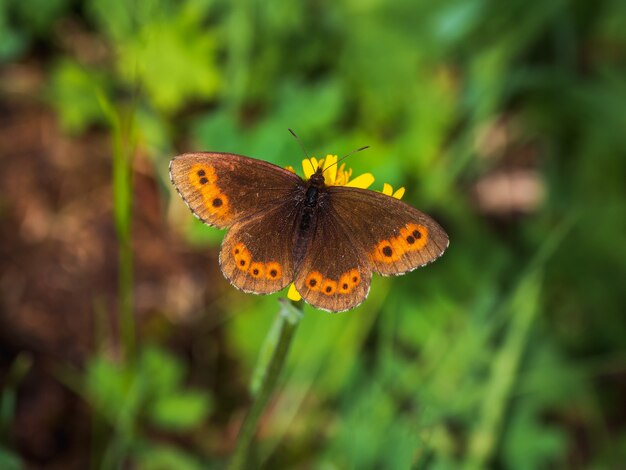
256, 254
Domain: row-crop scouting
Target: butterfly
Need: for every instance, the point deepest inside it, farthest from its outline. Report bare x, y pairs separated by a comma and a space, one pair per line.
326, 239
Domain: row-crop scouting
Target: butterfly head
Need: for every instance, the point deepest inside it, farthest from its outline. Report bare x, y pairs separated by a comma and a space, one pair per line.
317, 178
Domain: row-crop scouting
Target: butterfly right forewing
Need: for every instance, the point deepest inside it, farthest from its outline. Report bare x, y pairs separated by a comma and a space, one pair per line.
395, 237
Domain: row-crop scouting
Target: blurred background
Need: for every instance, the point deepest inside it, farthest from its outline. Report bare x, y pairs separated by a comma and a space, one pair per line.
122, 345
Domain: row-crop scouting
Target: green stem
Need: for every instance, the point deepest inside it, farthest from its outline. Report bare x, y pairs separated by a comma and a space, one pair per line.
123, 140
267, 372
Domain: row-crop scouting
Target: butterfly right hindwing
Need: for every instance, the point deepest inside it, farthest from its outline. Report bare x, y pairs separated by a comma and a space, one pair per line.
334, 275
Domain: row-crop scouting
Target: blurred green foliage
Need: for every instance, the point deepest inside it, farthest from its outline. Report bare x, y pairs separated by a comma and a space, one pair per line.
491, 356
150, 393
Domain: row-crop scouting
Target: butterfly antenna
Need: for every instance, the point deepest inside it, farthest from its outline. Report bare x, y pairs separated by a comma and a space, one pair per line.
302, 147
346, 156
299, 141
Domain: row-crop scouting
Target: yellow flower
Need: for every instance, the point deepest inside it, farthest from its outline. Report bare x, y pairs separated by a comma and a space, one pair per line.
293, 294
388, 190
334, 176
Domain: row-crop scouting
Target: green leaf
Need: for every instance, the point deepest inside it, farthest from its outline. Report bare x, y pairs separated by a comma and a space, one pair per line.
181, 411
179, 55
112, 389
73, 92
162, 371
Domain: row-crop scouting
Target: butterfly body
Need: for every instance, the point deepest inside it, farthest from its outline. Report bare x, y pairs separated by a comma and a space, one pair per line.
326, 239
313, 200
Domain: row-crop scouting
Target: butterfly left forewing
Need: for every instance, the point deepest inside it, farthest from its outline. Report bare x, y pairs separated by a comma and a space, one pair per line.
222, 188
395, 237
257, 252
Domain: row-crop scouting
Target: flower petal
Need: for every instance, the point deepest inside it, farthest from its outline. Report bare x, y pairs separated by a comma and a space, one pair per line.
363, 181
293, 294
309, 165
387, 189
330, 163
399, 193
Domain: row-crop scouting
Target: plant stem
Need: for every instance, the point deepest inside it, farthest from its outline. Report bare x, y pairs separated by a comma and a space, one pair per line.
271, 362
122, 130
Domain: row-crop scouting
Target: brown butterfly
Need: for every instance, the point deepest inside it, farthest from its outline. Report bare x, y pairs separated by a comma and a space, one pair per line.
326, 239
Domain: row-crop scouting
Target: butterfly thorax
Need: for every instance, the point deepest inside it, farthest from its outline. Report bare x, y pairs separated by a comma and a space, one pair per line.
315, 183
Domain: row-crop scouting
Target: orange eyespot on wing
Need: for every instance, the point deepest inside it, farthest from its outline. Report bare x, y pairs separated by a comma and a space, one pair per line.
329, 287
257, 270
238, 249
387, 251
273, 271
314, 281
